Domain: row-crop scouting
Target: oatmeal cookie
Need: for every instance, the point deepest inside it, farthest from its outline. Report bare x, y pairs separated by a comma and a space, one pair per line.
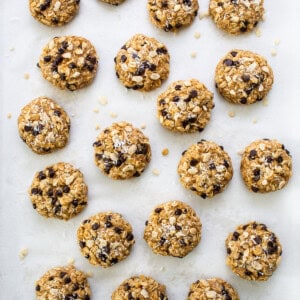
113, 2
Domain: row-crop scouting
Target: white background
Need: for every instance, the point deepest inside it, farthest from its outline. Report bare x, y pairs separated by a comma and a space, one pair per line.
52, 242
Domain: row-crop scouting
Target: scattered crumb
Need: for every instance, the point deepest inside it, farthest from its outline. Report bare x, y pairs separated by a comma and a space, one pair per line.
240, 152
155, 172
12, 49
72, 115
113, 115
265, 102
258, 32
71, 261
97, 127
9, 115
143, 126
23, 253
231, 114
26, 76
277, 42
162, 268
89, 274
197, 35
165, 151
254, 121
193, 54
103, 100
203, 15
96, 110
273, 52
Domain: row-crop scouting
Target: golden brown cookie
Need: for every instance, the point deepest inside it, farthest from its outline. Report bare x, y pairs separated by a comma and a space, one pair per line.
253, 252
243, 77
266, 166
58, 191
69, 62
105, 239
142, 63
185, 106
113, 2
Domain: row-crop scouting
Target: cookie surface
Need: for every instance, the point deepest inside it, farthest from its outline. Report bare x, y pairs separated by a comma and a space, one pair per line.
43, 125
63, 283
69, 62
140, 287
113, 2
54, 13
58, 191
266, 166
243, 77
173, 229
122, 151
172, 15
253, 252
236, 16
142, 63
212, 288
185, 106
205, 168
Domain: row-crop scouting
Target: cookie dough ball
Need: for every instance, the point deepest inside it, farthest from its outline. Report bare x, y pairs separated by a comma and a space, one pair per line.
69, 62
243, 77
54, 13
266, 166
236, 16
173, 229
213, 288
140, 287
185, 106
172, 15
113, 2
142, 63
63, 283
58, 191
205, 168
43, 125
105, 239
122, 151
253, 252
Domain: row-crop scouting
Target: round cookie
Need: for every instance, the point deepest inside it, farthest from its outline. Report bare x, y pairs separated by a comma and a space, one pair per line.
105, 239
69, 62
58, 191
266, 166
253, 252
213, 288
140, 287
243, 77
172, 15
236, 16
54, 13
173, 229
142, 63
113, 2
205, 168
63, 283
185, 106
122, 151
43, 125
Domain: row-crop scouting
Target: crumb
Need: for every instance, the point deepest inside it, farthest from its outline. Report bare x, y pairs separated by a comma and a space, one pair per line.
155, 172
103, 100
71, 261
89, 274
165, 151
240, 152
162, 268
197, 35
96, 110
12, 49
258, 32
113, 115
203, 15
23, 253
9, 115
277, 42
254, 121
193, 54
72, 115
97, 127
273, 52
265, 102
143, 126
26, 76
231, 114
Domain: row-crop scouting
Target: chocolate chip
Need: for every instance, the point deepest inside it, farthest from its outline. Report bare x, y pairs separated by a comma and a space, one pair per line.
47, 58
158, 210
248, 273
81, 244
118, 230
269, 159
178, 212
162, 102
142, 149
257, 240
41, 175
72, 65
203, 196
36, 191
66, 189
62, 274
226, 163
279, 159
252, 154
245, 77
243, 100
51, 173
95, 226
235, 236
67, 280
37, 288
228, 62
75, 202
108, 224
212, 166
177, 87
233, 53
254, 189
228, 250
193, 94
161, 50
126, 287
188, 121
216, 189
193, 162
176, 99
162, 241
123, 58
113, 261
129, 237
58, 193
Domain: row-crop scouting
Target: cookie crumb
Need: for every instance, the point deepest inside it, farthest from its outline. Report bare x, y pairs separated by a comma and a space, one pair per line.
277, 42
103, 100
265, 102
231, 114
197, 35
71, 261
193, 54
165, 151
89, 274
113, 114
143, 126
12, 49
255, 121
23, 253
26, 76
273, 52
97, 127
203, 15
96, 110
240, 152
155, 172
9, 115
258, 32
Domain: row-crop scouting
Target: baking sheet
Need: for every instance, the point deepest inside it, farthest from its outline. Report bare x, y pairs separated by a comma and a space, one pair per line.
53, 242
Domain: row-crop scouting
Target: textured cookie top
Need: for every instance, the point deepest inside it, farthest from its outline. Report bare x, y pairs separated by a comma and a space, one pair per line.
54, 12
243, 77
58, 191
122, 151
69, 62
172, 15
213, 288
266, 166
142, 63
236, 16
253, 252
43, 125
185, 106
105, 239
113, 2
140, 287
63, 283
173, 228
205, 168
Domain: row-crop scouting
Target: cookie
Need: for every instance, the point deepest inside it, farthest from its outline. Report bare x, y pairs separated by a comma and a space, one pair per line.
213, 288
54, 13
173, 229
58, 191
63, 283
140, 287
205, 168
266, 166
122, 151
185, 106
243, 77
142, 63
113, 2
253, 252
172, 15
69, 62
105, 239
236, 16
43, 125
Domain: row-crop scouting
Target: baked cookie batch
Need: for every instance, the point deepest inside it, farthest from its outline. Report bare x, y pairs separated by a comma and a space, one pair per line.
122, 151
